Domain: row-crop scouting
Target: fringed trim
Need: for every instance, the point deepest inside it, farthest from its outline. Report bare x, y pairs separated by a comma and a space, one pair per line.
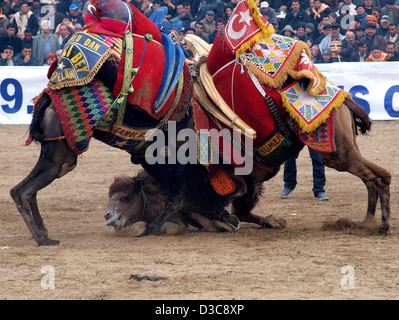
266, 30
287, 69
308, 128
85, 80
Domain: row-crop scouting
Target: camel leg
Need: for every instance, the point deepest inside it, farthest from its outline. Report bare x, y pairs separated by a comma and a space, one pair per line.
243, 205
348, 158
56, 159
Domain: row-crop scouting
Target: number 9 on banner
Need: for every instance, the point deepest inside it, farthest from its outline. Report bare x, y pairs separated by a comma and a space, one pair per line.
11, 91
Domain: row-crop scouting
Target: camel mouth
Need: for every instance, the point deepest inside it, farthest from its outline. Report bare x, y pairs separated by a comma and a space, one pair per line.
113, 219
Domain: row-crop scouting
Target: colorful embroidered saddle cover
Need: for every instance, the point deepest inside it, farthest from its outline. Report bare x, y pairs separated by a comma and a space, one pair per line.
81, 110
279, 67
81, 59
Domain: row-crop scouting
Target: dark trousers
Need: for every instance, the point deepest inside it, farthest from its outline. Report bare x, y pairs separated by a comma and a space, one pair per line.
319, 177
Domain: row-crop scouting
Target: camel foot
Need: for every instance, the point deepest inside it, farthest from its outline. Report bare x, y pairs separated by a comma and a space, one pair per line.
173, 229
274, 222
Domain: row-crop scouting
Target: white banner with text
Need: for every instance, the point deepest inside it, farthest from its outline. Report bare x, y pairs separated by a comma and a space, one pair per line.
374, 85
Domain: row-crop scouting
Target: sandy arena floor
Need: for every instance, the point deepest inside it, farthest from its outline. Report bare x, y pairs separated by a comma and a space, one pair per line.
300, 262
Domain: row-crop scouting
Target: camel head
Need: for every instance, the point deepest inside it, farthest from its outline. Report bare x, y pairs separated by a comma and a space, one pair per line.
126, 204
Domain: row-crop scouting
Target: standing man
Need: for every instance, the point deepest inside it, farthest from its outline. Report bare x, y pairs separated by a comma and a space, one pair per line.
44, 44
319, 177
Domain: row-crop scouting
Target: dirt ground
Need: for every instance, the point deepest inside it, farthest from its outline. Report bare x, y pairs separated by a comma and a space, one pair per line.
302, 261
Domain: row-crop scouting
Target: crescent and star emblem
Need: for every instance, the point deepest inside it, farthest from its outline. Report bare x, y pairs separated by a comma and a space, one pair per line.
245, 17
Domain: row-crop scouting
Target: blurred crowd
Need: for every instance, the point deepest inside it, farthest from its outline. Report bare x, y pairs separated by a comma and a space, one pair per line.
33, 33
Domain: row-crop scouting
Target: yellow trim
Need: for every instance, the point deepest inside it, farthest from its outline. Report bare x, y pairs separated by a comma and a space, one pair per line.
265, 30
339, 100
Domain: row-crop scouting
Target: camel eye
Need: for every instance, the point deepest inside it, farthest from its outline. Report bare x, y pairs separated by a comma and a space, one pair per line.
125, 199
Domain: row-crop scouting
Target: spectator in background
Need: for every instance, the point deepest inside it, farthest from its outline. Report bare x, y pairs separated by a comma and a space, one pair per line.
171, 8
360, 32
64, 35
36, 8
4, 22
295, 15
25, 57
44, 44
55, 17
11, 39
372, 39
228, 10
300, 33
266, 11
58, 54
361, 54
324, 31
199, 31
276, 25
77, 28
74, 16
63, 8
383, 29
377, 55
220, 24
209, 23
368, 6
376, 12
350, 35
12, 8
149, 7
50, 59
216, 6
332, 41
390, 49
391, 11
28, 38
80, 4
316, 55
309, 30
7, 57
393, 36
327, 57
319, 9
361, 15
25, 18
288, 31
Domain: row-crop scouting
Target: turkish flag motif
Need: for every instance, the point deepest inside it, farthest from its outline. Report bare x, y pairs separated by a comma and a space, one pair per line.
241, 27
